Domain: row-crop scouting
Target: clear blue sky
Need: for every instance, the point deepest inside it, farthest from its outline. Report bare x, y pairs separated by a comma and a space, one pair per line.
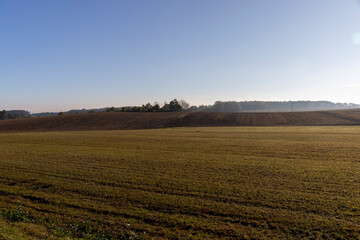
66, 54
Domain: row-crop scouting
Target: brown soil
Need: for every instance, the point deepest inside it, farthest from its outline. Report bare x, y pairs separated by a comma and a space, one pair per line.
109, 121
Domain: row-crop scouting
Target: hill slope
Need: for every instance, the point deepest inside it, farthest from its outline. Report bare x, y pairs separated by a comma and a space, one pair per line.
108, 121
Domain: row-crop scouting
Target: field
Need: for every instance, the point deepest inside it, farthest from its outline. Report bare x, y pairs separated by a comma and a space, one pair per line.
182, 183
141, 120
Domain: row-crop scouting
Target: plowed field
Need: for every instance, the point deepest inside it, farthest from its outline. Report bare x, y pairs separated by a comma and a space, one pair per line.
183, 183
111, 121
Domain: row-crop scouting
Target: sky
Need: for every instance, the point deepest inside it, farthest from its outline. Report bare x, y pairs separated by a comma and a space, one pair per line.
64, 54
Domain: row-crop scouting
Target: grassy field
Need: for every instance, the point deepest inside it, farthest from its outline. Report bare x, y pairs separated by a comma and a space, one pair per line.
228, 182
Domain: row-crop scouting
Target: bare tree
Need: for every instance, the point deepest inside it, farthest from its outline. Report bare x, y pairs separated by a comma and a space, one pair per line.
184, 104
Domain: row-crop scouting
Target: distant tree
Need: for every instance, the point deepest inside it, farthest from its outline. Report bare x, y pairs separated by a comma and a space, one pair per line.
156, 107
61, 113
147, 108
193, 109
174, 106
184, 104
112, 109
165, 107
226, 106
219, 106
4, 115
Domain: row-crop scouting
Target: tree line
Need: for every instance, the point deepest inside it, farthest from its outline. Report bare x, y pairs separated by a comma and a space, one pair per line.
271, 106
4, 115
173, 106
13, 114
219, 106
